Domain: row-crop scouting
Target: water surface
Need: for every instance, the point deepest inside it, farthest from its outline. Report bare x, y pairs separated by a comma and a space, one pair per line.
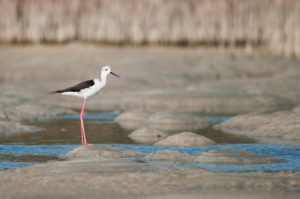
289, 153
14, 156
62, 134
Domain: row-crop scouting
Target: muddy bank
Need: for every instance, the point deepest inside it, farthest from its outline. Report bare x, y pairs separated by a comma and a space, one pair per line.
278, 126
206, 81
115, 176
191, 82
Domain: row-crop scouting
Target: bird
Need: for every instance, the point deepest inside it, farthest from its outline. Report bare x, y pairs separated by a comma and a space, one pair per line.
87, 89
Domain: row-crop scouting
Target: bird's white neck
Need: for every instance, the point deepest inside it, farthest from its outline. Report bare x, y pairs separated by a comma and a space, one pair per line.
103, 78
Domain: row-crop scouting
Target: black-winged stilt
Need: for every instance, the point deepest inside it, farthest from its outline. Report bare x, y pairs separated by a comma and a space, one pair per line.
87, 89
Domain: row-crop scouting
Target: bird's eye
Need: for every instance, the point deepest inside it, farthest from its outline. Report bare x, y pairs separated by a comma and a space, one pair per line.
106, 69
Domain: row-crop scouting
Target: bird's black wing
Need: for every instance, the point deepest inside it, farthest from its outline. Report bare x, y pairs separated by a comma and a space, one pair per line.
77, 87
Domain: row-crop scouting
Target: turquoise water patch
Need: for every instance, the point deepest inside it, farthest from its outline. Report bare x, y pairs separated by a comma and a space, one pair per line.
288, 153
62, 135
4, 165
113, 115
219, 118
15, 156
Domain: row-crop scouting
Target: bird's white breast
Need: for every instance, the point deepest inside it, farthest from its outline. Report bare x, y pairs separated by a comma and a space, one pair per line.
93, 90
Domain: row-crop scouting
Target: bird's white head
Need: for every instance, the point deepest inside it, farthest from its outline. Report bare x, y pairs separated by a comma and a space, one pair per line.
106, 70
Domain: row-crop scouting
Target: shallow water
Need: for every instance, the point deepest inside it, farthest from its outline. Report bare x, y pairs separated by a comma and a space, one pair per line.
62, 134
289, 153
14, 156
99, 127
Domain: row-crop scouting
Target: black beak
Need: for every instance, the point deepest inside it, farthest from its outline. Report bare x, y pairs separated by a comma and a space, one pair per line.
114, 74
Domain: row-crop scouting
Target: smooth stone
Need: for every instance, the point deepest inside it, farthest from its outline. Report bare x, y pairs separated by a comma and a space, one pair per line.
235, 157
103, 151
186, 139
282, 125
133, 119
147, 135
30, 112
11, 127
174, 120
169, 155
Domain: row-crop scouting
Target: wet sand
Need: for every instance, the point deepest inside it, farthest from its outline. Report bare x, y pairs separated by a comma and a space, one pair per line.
127, 178
212, 82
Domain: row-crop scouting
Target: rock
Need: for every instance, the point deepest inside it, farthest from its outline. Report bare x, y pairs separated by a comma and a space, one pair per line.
147, 135
178, 121
186, 139
105, 151
169, 156
30, 112
282, 125
11, 127
133, 119
235, 157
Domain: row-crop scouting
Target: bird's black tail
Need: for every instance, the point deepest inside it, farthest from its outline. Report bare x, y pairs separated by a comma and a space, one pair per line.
55, 92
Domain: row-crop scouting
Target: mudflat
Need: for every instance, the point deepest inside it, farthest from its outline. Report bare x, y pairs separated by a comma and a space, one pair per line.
87, 175
259, 90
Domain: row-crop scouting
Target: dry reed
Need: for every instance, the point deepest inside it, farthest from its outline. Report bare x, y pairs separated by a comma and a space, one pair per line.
273, 24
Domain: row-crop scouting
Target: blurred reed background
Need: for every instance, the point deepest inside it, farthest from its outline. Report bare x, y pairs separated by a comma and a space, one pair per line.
271, 24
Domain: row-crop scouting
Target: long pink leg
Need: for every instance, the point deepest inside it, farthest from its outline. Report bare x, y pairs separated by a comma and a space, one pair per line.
83, 139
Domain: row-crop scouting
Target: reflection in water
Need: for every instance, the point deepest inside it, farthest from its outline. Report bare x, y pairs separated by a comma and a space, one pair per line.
62, 134
95, 116
100, 129
67, 131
